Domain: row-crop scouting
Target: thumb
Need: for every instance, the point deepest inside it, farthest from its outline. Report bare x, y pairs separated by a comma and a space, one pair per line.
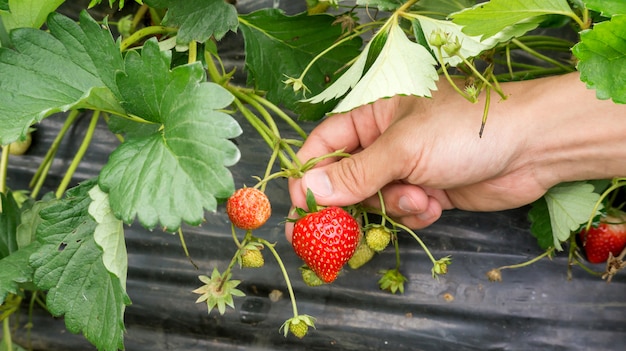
349, 180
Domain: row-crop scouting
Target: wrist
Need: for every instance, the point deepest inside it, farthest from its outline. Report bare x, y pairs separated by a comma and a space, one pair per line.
572, 135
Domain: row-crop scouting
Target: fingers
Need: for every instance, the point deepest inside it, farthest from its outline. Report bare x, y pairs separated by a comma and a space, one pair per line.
407, 204
411, 205
352, 179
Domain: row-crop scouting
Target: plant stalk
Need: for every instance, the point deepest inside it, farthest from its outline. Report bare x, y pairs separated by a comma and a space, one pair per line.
6, 331
145, 32
40, 175
292, 296
79, 155
4, 165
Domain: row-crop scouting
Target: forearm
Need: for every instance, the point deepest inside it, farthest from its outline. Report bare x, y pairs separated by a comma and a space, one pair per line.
570, 134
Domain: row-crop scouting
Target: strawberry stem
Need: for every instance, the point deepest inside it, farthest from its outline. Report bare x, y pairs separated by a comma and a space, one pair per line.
469, 98
82, 149
6, 331
382, 207
262, 111
268, 170
184, 245
396, 246
416, 237
4, 165
285, 274
541, 56
234, 234
240, 248
40, 175
485, 111
616, 183
280, 113
145, 32
529, 262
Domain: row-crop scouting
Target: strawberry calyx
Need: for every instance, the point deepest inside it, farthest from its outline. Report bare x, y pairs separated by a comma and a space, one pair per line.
218, 291
392, 281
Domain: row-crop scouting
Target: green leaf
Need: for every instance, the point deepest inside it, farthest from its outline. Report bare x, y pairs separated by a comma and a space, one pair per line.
28, 13
52, 72
602, 58
9, 220
540, 227
120, 5
131, 129
402, 67
198, 20
607, 8
382, 5
179, 170
279, 46
109, 235
14, 347
15, 270
569, 205
26, 231
69, 265
487, 19
352, 76
440, 9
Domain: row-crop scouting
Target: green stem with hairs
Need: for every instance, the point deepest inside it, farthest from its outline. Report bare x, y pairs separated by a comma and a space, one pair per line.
541, 56
40, 175
6, 331
79, 155
280, 113
292, 296
145, 32
4, 166
529, 262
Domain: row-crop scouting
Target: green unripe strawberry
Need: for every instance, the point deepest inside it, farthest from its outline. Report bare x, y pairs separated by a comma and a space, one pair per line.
362, 255
298, 325
378, 237
309, 277
252, 258
19, 147
298, 329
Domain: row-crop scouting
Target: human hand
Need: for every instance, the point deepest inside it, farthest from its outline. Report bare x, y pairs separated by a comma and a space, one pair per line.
425, 155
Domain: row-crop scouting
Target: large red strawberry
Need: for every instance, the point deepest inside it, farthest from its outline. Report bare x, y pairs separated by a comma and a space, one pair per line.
607, 237
325, 240
248, 208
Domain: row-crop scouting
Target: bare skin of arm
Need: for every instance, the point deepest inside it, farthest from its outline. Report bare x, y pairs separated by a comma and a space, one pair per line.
425, 155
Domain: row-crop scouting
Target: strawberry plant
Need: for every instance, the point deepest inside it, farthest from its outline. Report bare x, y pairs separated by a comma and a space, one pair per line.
158, 81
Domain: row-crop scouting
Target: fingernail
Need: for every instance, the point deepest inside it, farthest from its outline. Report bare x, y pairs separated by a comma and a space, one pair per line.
407, 204
317, 180
425, 216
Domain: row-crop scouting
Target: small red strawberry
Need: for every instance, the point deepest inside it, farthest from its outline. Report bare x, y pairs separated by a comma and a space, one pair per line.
608, 237
248, 208
325, 240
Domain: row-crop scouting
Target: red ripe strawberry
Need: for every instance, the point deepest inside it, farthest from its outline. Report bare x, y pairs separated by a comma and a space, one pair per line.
248, 208
608, 237
325, 240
